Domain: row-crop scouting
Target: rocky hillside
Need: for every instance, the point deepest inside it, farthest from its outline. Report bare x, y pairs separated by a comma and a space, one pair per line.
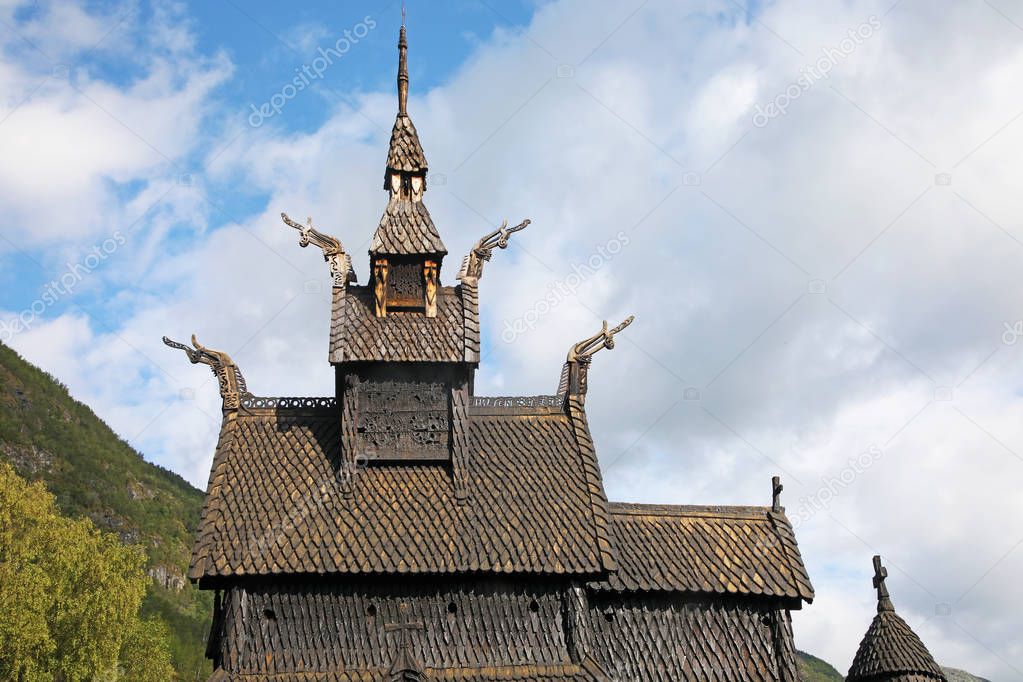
49, 436
813, 669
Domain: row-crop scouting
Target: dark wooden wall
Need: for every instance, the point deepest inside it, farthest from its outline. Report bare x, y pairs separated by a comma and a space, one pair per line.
322, 625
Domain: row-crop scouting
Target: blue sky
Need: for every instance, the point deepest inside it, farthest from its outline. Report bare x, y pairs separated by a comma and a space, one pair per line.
813, 210
268, 44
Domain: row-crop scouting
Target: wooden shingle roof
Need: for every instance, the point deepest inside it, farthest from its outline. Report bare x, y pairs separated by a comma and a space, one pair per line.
405, 153
276, 505
892, 651
517, 673
357, 334
697, 549
405, 229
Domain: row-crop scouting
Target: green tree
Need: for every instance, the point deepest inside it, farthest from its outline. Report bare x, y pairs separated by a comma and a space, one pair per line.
70, 596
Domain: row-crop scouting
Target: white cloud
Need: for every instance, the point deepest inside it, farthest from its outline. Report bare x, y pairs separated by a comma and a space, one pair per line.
919, 276
77, 138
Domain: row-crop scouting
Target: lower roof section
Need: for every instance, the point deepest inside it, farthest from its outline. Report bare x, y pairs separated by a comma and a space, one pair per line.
281, 502
748, 551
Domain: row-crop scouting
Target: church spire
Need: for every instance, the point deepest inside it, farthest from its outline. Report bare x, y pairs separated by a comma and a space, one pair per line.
405, 158
891, 650
406, 250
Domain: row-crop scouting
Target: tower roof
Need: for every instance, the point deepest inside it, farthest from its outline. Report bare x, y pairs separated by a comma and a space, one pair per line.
891, 650
406, 229
405, 152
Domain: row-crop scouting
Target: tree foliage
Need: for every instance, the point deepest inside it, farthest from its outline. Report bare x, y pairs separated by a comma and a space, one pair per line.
70, 596
49, 436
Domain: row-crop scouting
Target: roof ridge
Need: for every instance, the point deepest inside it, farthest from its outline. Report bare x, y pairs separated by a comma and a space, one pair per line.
641, 509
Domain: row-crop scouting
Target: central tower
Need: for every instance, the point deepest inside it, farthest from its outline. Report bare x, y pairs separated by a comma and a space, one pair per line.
405, 348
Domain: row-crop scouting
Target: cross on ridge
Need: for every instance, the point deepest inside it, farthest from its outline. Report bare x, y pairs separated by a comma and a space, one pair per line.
880, 573
884, 602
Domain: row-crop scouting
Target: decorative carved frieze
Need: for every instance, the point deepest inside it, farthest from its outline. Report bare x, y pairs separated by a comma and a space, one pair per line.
287, 403
405, 285
403, 420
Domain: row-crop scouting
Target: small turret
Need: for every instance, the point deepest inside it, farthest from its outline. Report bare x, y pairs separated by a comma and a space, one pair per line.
891, 651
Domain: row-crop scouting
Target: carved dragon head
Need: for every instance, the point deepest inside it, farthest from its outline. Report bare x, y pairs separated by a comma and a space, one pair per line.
472, 264
229, 377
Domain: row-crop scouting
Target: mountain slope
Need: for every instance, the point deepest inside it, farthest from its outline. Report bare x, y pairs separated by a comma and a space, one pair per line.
813, 669
50, 437
955, 675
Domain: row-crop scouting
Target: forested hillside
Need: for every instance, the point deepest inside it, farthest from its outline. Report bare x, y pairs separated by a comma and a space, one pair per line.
50, 437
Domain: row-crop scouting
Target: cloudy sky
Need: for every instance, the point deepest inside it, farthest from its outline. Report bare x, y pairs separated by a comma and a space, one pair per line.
812, 208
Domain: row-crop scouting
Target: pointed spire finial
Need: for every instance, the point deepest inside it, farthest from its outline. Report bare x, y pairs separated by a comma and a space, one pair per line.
884, 602
402, 67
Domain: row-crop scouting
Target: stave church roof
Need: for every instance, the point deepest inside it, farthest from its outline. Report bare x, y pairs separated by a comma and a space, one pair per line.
333, 525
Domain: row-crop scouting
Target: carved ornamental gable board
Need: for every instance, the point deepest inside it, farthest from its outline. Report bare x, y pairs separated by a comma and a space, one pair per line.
403, 420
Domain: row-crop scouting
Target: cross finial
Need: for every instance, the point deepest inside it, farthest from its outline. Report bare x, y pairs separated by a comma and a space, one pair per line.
884, 602
776, 488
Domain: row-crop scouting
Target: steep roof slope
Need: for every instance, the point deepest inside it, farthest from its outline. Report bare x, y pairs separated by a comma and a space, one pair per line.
277, 503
